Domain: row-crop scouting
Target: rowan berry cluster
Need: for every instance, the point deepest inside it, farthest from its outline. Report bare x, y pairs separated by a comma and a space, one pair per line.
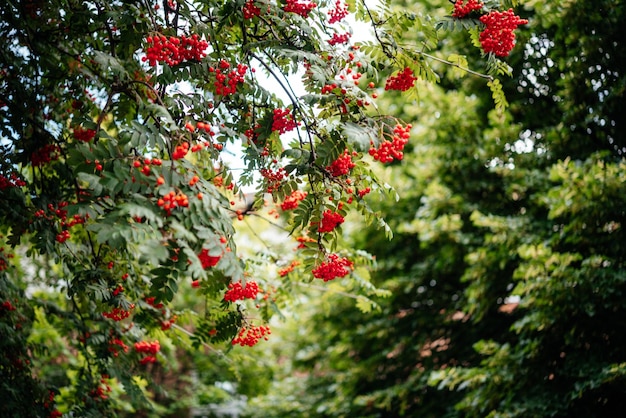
3, 262
291, 267
274, 178
387, 151
226, 82
208, 260
250, 10
149, 348
115, 345
118, 314
251, 335
335, 267
363, 192
45, 154
145, 165
330, 220
173, 200
83, 134
498, 36
283, 121
302, 8
180, 151
7, 306
342, 165
339, 38
102, 390
59, 214
237, 291
173, 51
402, 81
338, 13
291, 202
461, 10
12, 181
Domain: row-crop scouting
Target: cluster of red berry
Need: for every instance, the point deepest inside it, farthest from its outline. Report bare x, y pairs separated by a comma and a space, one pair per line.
180, 151
291, 202
283, 121
291, 267
237, 291
330, 220
115, 345
302, 8
250, 10
7, 305
3, 261
145, 165
338, 13
173, 200
339, 38
498, 36
172, 51
117, 313
226, 83
461, 10
402, 81
342, 165
250, 335
101, 392
335, 267
59, 214
83, 134
274, 178
12, 181
208, 260
388, 150
45, 154
149, 348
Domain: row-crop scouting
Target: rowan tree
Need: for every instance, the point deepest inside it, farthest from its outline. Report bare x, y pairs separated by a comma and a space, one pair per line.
136, 134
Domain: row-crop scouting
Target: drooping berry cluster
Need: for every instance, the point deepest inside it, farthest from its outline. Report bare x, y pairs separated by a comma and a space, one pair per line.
173, 51
338, 13
237, 291
180, 151
208, 260
45, 154
274, 178
173, 200
339, 38
149, 348
302, 8
250, 10
118, 314
330, 220
390, 150
115, 345
226, 81
58, 214
402, 81
498, 36
291, 267
84, 134
342, 165
145, 166
250, 335
291, 202
335, 267
283, 121
12, 181
461, 10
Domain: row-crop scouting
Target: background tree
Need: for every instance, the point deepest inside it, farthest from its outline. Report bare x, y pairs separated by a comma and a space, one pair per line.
507, 266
